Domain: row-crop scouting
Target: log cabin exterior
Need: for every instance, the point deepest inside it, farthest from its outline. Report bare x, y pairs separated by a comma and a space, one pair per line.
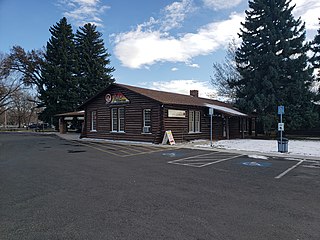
122, 112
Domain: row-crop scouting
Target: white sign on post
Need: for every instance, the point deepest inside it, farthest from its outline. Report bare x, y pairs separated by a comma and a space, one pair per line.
168, 136
281, 127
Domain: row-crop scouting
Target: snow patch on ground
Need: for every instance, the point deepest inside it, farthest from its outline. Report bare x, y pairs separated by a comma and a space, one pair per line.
295, 147
258, 157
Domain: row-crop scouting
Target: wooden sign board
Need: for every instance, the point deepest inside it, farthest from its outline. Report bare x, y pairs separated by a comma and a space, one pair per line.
176, 113
168, 136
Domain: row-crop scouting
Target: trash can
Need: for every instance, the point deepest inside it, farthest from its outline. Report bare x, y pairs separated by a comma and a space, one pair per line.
283, 146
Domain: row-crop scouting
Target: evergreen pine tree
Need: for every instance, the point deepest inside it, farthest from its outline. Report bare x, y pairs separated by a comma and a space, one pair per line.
272, 62
315, 47
58, 73
94, 72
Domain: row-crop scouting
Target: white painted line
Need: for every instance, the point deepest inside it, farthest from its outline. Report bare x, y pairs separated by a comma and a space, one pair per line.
181, 159
200, 160
310, 166
222, 160
194, 162
298, 159
289, 169
186, 164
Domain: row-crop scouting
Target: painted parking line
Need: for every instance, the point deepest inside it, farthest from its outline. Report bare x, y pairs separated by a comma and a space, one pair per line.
118, 149
289, 169
312, 164
98, 148
204, 160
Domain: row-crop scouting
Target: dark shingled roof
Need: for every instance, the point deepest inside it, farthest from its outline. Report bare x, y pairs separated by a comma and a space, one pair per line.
178, 99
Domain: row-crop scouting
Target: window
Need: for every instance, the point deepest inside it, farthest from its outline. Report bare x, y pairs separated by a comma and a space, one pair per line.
146, 121
117, 119
243, 124
194, 121
94, 121
197, 121
191, 121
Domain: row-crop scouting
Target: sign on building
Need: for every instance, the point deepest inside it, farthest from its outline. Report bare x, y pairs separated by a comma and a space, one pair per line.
176, 113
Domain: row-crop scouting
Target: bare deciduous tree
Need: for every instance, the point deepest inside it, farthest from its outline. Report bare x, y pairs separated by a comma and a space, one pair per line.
224, 74
27, 64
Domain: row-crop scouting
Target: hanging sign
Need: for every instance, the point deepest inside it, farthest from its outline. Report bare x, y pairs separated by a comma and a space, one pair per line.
116, 98
168, 136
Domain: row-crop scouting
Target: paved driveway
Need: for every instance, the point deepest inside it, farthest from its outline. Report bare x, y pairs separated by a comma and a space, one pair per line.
57, 189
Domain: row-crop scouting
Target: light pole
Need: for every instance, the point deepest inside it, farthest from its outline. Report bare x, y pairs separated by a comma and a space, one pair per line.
211, 116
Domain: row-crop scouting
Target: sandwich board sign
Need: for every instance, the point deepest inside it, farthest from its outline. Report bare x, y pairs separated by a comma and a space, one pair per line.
168, 136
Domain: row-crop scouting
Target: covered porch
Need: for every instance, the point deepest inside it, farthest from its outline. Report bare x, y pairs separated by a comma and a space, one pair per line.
70, 121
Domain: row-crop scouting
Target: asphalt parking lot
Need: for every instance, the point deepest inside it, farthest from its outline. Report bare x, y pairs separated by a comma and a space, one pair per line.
57, 189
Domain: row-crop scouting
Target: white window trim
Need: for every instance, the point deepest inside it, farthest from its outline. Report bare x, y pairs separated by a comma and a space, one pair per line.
118, 121
91, 127
112, 109
144, 122
193, 122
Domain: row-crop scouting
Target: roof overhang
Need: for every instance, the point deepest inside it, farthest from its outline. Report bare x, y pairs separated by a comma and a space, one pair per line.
227, 111
71, 114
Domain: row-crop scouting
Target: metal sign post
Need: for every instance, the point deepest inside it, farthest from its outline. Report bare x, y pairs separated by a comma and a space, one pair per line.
211, 115
281, 124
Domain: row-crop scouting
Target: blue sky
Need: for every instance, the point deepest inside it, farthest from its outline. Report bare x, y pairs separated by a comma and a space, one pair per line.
167, 45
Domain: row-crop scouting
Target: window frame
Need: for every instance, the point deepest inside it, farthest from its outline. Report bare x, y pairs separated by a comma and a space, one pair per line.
93, 122
244, 122
194, 121
144, 121
118, 120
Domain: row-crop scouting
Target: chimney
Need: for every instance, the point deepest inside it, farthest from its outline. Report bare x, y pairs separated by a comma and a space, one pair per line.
194, 93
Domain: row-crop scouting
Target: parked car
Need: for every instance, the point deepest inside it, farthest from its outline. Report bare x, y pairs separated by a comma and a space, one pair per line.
38, 126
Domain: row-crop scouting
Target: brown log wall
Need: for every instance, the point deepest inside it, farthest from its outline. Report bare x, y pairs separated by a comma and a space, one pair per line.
160, 122
133, 117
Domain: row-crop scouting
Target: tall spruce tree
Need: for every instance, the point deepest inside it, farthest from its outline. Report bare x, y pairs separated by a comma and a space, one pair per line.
60, 91
94, 72
272, 62
315, 48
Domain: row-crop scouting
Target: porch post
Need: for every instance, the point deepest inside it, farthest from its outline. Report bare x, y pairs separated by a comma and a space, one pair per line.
227, 128
62, 125
242, 128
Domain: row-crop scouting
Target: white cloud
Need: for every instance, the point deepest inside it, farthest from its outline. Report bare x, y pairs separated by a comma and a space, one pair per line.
184, 87
221, 4
175, 13
174, 69
142, 47
193, 65
309, 11
151, 42
81, 12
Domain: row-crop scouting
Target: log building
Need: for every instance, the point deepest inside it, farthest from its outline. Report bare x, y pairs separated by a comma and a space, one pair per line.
122, 112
